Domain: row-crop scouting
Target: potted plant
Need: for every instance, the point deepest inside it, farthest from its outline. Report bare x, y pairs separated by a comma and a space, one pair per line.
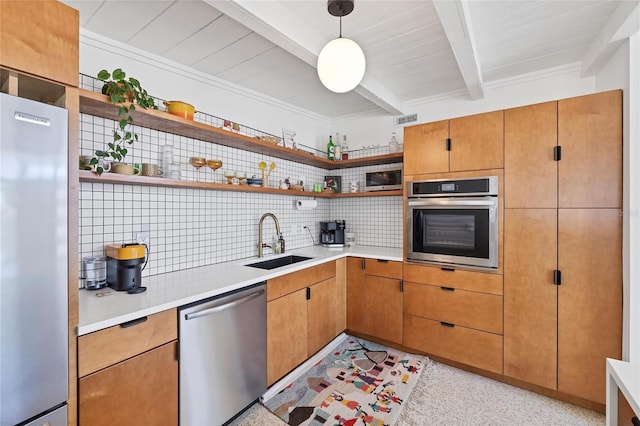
125, 93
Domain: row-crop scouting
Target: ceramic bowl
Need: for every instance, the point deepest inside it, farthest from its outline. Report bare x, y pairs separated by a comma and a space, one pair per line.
124, 169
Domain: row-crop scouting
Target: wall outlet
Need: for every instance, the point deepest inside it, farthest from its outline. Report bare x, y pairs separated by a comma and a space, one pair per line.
142, 237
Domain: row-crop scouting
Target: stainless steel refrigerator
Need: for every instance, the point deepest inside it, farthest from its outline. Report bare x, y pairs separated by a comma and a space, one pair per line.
33, 263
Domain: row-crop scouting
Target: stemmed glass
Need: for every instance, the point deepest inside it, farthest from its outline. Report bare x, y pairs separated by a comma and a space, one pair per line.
197, 162
214, 165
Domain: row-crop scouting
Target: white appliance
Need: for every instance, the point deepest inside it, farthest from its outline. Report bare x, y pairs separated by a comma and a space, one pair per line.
33, 263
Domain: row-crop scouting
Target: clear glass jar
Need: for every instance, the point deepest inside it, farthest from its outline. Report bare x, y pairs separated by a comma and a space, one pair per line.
393, 143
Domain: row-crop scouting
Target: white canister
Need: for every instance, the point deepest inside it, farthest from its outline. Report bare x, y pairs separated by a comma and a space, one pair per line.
350, 238
354, 186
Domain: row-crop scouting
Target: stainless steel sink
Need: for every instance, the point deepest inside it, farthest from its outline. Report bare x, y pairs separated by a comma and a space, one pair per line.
278, 262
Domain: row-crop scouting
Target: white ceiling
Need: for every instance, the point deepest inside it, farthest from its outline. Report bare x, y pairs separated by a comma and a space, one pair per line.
414, 49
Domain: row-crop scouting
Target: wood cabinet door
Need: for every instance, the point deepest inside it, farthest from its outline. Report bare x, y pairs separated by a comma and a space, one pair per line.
341, 295
530, 296
425, 148
590, 133
321, 315
355, 294
625, 412
286, 334
140, 390
41, 38
477, 142
530, 171
590, 299
383, 310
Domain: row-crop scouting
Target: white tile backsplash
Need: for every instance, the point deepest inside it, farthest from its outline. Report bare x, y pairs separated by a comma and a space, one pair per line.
193, 227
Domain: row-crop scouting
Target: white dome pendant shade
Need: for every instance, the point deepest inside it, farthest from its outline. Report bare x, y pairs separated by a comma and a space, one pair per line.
341, 62
341, 65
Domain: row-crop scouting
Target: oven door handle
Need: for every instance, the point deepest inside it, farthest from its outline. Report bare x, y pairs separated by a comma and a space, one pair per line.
490, 202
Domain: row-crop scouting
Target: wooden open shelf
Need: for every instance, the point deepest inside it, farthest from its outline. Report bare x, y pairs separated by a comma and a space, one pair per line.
99, 105
23, 85
87, 176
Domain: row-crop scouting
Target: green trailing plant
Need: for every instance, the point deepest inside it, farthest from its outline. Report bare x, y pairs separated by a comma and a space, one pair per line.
125, 93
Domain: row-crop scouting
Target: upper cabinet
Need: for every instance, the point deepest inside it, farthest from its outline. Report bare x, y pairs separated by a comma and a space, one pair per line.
590, 134
530, 135
40, 38
567, 154
474, 142
425, 148
477, 142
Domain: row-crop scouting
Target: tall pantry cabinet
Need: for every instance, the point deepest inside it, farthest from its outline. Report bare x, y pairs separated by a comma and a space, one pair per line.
563, 243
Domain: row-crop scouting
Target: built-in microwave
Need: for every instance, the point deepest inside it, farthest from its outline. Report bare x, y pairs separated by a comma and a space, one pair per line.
383, 179
453, 221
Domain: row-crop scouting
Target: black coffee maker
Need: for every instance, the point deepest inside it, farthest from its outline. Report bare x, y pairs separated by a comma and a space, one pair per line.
332, 233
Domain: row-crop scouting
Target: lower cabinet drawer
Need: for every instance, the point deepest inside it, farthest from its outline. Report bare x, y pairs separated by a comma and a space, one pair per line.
106, 347
289, 283
472, 347
384, 268
471, 309
468, 280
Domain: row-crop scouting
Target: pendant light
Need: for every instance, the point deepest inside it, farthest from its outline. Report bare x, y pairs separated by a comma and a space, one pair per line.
341, 63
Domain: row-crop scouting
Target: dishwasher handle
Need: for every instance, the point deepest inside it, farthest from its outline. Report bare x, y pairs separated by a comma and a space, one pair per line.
224, 305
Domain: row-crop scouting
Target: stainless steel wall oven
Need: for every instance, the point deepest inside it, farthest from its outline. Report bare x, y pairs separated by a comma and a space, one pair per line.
453, 221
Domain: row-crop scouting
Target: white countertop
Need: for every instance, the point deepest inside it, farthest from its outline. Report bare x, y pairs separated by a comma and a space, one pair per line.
167, 291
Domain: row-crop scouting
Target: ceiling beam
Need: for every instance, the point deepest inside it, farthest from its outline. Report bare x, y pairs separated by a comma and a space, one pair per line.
456, 22
276, 23
624, 22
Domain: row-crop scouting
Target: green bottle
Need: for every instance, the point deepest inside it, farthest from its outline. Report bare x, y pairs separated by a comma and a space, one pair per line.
330, 149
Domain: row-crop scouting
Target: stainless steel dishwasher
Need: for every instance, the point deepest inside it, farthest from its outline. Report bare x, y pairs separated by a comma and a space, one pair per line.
223, 356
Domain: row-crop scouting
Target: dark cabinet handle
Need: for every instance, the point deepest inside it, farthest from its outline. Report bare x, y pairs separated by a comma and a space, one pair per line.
133, 322
447, 288
557, 153
401, 286
448, 269
447, 324
308, 293
382, 260
364, 264
635, 421
557, 277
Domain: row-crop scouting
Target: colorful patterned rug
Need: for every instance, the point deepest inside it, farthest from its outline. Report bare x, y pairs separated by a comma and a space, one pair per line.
359, 383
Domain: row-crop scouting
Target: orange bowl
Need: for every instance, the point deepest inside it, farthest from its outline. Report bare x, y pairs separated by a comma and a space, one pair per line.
181, 109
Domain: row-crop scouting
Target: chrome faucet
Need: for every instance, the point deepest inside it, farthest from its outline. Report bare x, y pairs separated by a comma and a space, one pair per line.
261, 245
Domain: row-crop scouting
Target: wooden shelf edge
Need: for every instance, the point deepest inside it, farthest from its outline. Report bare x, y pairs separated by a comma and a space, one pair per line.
99, 105
366, 161
397, 192
87, 176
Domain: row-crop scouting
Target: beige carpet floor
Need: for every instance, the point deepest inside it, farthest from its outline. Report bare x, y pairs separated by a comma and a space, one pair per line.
448, 396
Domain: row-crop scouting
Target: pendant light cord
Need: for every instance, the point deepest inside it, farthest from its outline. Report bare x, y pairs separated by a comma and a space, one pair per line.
340, 27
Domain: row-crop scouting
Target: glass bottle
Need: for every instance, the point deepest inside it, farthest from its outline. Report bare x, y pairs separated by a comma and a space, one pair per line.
393, 143
330, 149
345, 148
